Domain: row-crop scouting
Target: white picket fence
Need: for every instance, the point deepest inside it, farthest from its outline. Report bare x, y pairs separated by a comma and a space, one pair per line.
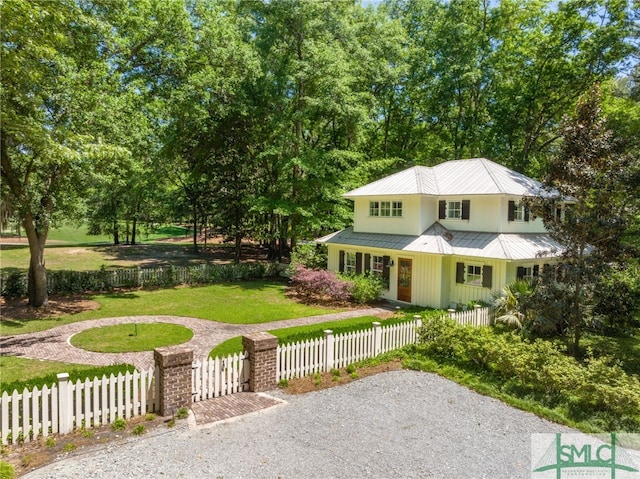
68, 405
323, 354
217, 377
473, 317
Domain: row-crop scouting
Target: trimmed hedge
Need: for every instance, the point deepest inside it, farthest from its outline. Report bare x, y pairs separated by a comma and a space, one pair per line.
14, 285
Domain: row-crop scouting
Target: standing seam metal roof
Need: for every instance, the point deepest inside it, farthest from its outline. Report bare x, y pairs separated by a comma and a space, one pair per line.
476, 176
439, 240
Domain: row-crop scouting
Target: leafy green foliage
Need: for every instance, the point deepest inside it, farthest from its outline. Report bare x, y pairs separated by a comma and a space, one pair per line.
597, 389
309, 255
617, 298
74, 375
365, 288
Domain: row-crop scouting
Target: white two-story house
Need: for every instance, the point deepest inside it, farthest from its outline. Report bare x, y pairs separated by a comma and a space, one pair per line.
451, 233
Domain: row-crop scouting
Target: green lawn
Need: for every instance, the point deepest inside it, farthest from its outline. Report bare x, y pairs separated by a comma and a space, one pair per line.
24, 372
70, 248
131, 337
236, 303
302, 333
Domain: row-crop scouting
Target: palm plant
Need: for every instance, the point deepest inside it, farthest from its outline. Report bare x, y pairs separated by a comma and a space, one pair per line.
509, 303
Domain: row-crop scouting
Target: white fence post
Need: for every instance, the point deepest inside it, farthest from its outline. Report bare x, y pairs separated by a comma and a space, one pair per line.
417, 321
329, 351
65, 404
377, 338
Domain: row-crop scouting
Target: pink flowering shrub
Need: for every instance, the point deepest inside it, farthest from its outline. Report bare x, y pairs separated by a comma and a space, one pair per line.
320, 285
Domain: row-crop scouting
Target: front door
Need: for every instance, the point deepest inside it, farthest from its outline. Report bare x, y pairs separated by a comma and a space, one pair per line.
404, 280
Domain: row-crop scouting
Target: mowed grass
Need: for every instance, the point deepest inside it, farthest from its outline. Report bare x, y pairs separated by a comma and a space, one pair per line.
70, 248
301, 333
248, 302
131, 337
21, 369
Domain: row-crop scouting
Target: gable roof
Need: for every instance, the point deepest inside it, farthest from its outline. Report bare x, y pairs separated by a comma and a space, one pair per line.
439, 240
477, 176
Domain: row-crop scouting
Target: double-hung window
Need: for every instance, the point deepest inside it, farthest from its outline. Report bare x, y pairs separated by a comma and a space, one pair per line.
374, 208
518, 211
454, 210
377, 265
473, 275
350, 263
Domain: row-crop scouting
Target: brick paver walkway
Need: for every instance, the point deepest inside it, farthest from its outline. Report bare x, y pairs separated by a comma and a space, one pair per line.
233, 405
54, 343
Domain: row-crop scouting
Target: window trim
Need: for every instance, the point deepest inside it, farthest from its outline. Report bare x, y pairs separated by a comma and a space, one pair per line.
349, 268
385, 209
479, 276
449, 210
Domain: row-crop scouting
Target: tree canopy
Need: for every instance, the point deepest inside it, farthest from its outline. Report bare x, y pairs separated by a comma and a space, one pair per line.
254, 117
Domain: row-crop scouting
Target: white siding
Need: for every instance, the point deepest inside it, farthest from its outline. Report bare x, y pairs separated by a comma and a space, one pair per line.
506, 226
408, 224
462, 293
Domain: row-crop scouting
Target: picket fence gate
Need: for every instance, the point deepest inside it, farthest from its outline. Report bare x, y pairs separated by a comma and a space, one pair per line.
63, 407
323, 354
217, 377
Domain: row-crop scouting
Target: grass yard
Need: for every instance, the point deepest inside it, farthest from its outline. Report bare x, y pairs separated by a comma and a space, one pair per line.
24, 372
131, 337
301, 333
70, 248
247, 302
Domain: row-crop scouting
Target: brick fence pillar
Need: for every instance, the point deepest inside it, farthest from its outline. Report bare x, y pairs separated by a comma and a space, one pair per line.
174, 378
262, 349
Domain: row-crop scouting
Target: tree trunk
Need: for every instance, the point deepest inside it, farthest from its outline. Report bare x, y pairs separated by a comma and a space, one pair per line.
116, 233
37, 282
238, 248
133, 230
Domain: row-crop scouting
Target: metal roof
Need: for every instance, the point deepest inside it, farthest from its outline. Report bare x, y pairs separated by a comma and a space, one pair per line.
439, 240
476, 176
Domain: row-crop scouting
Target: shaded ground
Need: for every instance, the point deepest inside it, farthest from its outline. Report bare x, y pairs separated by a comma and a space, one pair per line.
58, 306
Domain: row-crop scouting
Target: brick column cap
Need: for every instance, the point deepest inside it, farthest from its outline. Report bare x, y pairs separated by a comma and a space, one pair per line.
172, 356
259, 341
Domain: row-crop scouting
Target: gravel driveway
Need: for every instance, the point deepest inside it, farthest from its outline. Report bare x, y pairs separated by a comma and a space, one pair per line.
395, 424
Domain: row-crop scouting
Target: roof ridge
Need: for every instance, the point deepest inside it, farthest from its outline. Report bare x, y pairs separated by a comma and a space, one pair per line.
503, 245
483, 162
418, 178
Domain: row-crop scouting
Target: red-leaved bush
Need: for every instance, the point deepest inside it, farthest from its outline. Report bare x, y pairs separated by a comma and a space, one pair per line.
318, 284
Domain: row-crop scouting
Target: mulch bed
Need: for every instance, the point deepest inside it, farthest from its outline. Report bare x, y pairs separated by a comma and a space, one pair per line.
19, 309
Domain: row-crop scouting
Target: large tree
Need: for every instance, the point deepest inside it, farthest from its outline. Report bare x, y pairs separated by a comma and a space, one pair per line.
596, 180
53, 81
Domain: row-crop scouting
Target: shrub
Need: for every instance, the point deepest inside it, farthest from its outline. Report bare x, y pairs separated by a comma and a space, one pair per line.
320, 285
365, 288
14, 285
618, 298
309, 255
598, 388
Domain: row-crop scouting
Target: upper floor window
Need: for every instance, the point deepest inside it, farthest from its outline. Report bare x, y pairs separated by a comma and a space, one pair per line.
454, 209
385, 208
518, 212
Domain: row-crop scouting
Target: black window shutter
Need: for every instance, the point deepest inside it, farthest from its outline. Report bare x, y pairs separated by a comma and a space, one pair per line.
459, 272
442, 207
341, 266
512, 211
487, 271
358, 263
520, 272
466, 207
536, 270
526, 213
367, 262
385, 268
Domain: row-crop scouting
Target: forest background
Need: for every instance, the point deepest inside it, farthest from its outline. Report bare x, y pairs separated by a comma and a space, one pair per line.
254, 117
